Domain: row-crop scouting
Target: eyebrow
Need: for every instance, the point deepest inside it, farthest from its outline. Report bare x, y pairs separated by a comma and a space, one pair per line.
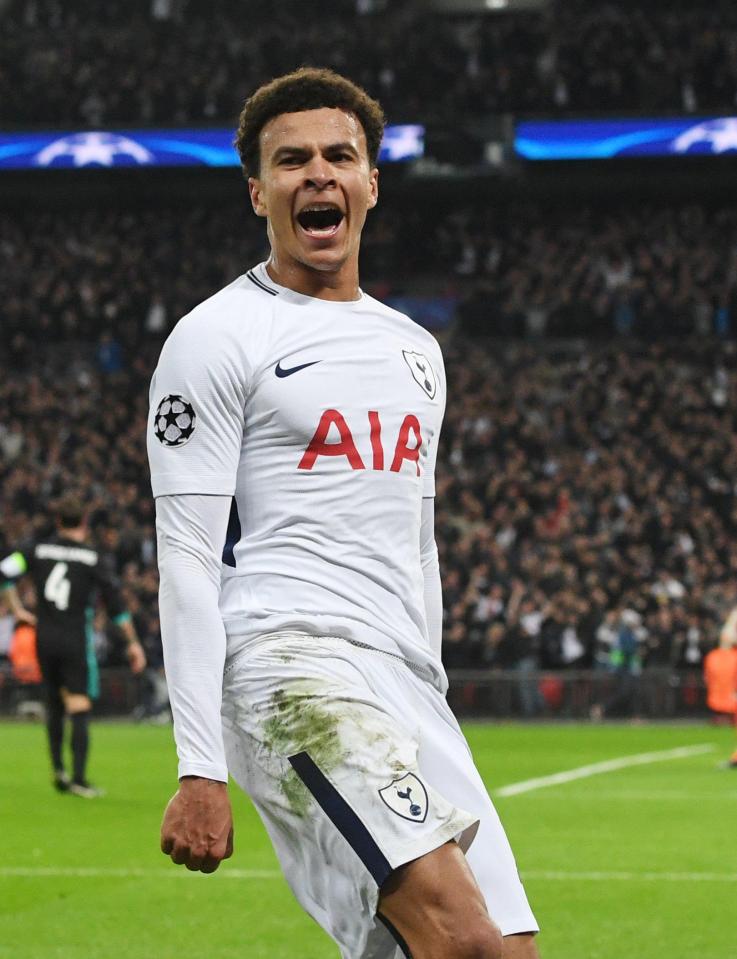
343, 147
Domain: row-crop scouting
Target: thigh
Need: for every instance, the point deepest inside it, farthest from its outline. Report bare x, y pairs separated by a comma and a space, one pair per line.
447, 764
437, 908
75, 673
333, 772
51, 673
67, 661
76, 703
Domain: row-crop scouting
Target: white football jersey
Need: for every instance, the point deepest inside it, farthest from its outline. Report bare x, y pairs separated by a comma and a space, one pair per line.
321, 419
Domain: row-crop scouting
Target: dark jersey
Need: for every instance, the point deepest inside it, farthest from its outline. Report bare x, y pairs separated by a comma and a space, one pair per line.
69, 578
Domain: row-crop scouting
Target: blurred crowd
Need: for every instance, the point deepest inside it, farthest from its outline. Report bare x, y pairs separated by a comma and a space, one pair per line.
68, 426
581, 488
585, 510
641, 269
179, 61
120, 277
585, 503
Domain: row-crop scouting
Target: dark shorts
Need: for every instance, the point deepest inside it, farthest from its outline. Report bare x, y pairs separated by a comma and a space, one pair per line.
70, 666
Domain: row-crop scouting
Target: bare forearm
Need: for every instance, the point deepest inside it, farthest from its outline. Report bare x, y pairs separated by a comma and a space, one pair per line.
134, 650
129, 631
13, 600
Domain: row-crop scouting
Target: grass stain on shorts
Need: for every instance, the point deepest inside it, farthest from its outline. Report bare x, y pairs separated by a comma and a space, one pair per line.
304, 721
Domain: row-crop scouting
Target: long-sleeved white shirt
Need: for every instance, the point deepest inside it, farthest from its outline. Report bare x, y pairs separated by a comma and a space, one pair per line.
292, 443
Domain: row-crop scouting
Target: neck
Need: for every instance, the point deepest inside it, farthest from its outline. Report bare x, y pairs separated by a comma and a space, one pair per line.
338, 285
77, 533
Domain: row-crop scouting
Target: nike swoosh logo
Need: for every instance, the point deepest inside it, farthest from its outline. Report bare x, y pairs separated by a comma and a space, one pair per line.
281, 372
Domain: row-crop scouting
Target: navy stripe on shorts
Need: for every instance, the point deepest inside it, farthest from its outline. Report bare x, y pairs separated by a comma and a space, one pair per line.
342, 817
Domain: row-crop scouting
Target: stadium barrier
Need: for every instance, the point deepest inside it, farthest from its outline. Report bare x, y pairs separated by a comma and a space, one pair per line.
656, 693
495, 694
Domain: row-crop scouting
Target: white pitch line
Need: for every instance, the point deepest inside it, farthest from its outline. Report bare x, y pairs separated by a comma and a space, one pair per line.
92, 872
641, 795
632, 876
608, 766
50, 872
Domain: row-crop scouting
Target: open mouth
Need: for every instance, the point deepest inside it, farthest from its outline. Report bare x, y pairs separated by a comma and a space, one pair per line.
320, 219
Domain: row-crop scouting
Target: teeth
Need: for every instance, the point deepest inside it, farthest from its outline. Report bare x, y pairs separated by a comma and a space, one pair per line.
317, 207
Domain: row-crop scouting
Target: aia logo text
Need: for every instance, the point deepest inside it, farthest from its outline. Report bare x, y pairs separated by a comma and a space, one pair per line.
407, 446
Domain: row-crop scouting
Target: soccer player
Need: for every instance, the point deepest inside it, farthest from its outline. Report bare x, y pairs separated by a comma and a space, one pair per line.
292, 439
68, 575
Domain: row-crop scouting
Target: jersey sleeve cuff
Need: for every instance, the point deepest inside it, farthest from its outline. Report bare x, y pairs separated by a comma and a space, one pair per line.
204, 770
214, 484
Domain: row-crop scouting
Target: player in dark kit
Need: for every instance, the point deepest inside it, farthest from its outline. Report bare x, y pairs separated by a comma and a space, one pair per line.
69, 575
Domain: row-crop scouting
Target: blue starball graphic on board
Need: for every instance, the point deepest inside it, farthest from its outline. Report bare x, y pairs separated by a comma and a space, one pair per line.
180, 146
713, 136
584, 139
94, 149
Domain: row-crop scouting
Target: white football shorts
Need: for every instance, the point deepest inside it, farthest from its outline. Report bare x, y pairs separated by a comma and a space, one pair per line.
357, 766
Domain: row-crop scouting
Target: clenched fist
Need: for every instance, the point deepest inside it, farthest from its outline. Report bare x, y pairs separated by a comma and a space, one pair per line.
197, 830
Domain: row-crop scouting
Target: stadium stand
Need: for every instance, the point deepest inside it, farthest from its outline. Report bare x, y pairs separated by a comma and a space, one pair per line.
585, 496
577, 478
519, 269
177, 61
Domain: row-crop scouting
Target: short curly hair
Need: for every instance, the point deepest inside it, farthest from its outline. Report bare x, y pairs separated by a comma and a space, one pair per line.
308, 88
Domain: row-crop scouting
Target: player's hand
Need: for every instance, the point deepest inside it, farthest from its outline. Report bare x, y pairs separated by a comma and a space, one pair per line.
136, 657
25, 616
197, 831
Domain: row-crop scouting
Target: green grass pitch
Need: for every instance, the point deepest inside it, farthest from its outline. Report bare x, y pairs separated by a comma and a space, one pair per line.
640, 862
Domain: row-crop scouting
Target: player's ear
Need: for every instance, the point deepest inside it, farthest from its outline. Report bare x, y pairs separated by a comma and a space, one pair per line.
373, 197
256, 194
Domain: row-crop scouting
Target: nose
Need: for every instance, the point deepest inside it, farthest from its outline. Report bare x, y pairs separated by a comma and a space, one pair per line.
319, 174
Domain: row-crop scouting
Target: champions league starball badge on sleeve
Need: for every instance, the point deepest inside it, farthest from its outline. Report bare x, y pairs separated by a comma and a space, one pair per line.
174, 421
